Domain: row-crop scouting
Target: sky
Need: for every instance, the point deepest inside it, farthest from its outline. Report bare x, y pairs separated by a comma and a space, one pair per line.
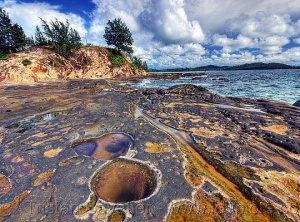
180, 33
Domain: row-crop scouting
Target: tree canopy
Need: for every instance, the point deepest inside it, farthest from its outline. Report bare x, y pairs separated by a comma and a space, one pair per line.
59, 36
12, 36
139, 63
118, 35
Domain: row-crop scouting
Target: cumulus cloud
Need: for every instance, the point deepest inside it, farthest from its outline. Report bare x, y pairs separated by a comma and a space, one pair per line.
28, 15
262, 25
213, 14
172, 25
166, 18
267, 45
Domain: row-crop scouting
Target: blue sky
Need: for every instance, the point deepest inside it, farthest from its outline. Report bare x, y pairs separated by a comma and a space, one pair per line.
180, 33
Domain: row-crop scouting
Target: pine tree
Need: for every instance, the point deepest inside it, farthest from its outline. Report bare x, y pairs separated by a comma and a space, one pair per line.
60, 37
40, 39
12, 36
19, 39
118, 35
5, 35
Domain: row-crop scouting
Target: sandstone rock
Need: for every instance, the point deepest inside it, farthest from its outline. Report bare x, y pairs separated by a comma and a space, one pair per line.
88, 62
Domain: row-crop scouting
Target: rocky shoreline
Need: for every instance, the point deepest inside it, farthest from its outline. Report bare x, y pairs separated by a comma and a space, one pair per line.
201, 157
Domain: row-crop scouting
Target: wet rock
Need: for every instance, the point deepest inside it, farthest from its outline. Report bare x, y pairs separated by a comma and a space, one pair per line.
186, 89
204, 150
297, 103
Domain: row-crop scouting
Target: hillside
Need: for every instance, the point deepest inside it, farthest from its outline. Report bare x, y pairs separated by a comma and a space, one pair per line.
39, 64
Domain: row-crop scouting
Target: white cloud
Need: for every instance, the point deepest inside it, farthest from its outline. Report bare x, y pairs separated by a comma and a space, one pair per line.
173, 25
230, 44
263, 25
213, 14
166, 18
28, 15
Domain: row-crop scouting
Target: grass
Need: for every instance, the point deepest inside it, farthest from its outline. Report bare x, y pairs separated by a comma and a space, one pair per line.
26, 62
4, 56
116, 59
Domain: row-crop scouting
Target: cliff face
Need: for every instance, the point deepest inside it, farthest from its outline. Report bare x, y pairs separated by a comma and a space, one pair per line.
41, 65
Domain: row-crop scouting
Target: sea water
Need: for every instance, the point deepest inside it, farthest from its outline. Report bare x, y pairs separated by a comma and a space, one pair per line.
282, 85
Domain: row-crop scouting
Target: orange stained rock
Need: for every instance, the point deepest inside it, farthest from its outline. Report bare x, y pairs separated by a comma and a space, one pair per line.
47, 140
117, 216
278, 129
204, 132
5, 185
244, 206
203, 209
17, 159
52, 153
38, 143
6, 209
154, 148
67, 162
43, 177
40, 135
87, 207
193, 177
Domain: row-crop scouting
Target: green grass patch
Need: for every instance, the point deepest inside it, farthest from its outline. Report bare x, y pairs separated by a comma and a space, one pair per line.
116, 59
4, 56
26, 62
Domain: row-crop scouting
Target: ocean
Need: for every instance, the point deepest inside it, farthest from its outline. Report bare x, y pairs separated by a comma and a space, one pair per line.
281, 85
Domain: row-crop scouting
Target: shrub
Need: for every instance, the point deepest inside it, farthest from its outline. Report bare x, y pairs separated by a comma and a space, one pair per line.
116, 60
3, 56
26, 62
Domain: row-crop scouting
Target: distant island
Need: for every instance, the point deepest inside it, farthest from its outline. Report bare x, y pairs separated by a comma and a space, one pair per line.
249, 66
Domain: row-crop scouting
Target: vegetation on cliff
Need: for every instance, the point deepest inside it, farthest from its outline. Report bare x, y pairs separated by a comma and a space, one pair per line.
58, 37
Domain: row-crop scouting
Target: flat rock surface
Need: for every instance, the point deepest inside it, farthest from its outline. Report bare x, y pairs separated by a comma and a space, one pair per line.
200, 156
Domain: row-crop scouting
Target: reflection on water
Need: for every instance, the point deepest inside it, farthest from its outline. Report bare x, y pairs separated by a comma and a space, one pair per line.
24, 126
106, 147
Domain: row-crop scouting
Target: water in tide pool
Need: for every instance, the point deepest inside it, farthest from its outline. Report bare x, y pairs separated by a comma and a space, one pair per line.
282, 85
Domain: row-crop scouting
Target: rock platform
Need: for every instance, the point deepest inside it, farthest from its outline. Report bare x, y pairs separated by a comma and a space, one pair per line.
181, 154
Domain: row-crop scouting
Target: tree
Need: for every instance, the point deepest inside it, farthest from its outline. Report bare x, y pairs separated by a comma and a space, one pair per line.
139, 63
59, 36
145, 66
19, 39
118, 35
5, 36
12, 36
40, 39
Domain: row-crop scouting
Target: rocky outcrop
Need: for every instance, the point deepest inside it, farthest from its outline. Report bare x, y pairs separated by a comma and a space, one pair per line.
41, 65
297, 103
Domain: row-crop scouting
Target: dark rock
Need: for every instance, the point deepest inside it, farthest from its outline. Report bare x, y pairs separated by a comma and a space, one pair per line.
186, 89
199, 77
224, 79
297, 103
